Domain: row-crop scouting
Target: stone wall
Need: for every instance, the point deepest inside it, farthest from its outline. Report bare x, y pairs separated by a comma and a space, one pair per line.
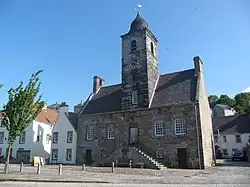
204, 117
139, 68
104, 150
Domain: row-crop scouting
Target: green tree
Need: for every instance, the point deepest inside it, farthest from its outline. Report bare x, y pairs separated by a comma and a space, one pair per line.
242, 102
1, 85
22, 107
212, 100
226, 100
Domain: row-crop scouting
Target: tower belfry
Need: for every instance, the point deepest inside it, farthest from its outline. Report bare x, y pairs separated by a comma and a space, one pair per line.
139, 64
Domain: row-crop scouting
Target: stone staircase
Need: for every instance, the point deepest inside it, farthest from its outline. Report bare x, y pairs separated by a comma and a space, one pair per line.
151, 160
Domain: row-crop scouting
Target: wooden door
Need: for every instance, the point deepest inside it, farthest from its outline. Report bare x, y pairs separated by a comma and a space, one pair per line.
133, 135
88, 157
182, 158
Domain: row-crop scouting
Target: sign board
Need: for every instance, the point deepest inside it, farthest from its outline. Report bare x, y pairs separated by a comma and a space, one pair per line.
36, 160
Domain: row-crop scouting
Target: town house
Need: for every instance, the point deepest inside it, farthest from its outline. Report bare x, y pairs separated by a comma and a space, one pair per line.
159, 120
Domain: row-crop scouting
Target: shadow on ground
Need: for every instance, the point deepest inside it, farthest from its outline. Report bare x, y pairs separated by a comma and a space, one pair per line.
230, 163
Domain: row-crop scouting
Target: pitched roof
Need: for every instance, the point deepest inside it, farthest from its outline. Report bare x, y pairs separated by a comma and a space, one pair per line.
224, 107
47, 116
232, 124
173, 88
72, 117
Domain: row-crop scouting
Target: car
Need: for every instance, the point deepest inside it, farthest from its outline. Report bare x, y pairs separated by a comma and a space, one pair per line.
237, 155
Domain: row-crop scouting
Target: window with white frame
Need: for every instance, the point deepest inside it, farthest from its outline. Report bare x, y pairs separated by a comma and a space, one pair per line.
134, 97
55, 137
225, 139
48, 137
180, 126
159, 153
238, 138
1, 137
111, 132
54, 154
90, 132
68, 154
159, 128
22, 138
69, 136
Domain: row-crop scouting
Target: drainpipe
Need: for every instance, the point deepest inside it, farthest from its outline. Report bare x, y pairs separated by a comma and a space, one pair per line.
197, 131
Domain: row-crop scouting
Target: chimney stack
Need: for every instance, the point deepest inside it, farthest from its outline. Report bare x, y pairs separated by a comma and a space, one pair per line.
98, 82
198, 65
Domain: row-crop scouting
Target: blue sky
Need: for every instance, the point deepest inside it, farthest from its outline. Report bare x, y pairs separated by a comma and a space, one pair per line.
74, 40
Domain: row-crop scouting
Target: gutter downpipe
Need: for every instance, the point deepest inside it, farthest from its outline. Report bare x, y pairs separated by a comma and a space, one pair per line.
197, 133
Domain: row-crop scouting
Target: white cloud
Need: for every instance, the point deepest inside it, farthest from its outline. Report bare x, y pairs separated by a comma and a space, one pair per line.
247, 90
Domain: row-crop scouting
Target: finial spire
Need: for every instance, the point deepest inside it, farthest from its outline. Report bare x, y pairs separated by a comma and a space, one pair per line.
138, 8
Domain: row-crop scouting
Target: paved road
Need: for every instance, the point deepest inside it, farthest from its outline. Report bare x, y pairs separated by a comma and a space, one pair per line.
13, 184
228, 174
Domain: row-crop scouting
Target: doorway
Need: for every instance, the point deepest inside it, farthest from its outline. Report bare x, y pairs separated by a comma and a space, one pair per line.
88, 157
133, 135
182, 158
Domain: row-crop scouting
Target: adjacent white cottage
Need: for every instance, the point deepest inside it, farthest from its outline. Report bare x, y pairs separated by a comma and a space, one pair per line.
35, 141
64, 138
231, 133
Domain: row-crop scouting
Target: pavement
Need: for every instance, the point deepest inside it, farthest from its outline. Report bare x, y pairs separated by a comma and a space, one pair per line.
226, 174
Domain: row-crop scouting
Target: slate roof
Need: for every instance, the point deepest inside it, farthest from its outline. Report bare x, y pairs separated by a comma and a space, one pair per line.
224, 107
173, 88
232, 124
72, 117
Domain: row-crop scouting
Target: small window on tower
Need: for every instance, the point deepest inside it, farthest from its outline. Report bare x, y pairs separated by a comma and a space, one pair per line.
133, 46
152, 48
134, 97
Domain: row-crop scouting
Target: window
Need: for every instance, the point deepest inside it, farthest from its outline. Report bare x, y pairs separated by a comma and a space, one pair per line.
68, 154
180, 126
215, 138
70, 137
111, 132
152, 48
48, 138
159, 153
1, 137
54, 154
238, 138
134, 97
159, 128
224, 138
55, 137
225, 152
90, 132
22, 138
133, 46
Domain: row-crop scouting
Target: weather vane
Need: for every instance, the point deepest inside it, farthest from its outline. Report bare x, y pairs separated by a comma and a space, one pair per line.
139, 8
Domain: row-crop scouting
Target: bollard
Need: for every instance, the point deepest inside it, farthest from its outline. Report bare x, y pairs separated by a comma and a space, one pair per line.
21, 167
113, 167
83, 167
60, 169
38, 169
130, 163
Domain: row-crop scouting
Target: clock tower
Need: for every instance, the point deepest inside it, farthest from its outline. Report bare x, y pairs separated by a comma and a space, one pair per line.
140, 71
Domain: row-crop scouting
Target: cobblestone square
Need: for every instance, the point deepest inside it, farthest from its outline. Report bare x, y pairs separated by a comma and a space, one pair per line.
226, 174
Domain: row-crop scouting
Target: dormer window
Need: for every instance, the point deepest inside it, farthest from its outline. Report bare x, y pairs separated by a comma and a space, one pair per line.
133, 46
134, 97
152, 48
